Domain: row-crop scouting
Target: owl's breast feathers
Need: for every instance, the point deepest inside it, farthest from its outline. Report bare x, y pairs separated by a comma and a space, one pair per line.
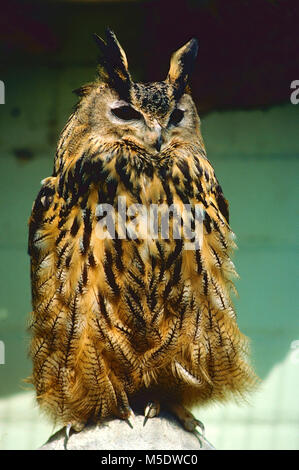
117, 314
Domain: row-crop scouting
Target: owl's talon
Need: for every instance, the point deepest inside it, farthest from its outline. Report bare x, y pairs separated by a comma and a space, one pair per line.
201, 425
198, 436
76, 427
129, 416
202, 440
152, 409
187, 419
129, 423
67, 435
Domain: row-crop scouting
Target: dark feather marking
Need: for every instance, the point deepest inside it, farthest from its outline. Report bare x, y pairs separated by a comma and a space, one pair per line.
41, 347
61, 235
52, 335
164, 178
152, 298
41, 237
61, 254
207, 222
169, 339
91, 260
75, 227
174, 279
121, 168
177, 271
136, 279
174, 254
197, 322
185, 170
103, 310
129, 359
49, 220
85, 275
73, 309
198, 261
135, 312
140, 263
219, 294
200, 196
216, 256
44, 282
119, 253
137, 301
182, 314
197, 164
222, 203
111, 190
205, 283
68, 260
109, 273
182, 195
162, 261
124, 330
63, 215
44, 310
36, 220
210, 318
87, 230
218, 329
160, 249
156, 315
211, 362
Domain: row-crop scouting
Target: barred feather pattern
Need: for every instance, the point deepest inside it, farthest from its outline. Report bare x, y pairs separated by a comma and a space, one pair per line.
115, 318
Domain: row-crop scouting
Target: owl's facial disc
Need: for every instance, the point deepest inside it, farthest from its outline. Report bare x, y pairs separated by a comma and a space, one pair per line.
143, 130
146, 130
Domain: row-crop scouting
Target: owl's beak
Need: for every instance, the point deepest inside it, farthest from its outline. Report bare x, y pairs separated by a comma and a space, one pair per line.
158, 143
156, 136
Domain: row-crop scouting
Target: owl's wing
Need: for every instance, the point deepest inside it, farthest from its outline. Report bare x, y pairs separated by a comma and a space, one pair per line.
82, 346
208, 239
213, 351
214, 239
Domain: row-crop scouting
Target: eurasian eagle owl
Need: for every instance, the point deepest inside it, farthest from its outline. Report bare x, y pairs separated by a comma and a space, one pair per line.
130, 250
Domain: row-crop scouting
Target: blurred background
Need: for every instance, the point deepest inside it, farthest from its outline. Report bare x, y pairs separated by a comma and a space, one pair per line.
248, 58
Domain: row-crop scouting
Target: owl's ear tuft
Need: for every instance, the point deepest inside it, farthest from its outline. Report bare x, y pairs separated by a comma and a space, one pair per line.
113, 64
84, 90
181, 66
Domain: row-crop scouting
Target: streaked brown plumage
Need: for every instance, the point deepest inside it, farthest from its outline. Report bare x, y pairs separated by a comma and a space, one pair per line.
116, 320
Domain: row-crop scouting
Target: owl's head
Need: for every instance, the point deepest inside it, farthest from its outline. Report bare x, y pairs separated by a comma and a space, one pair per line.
150, 115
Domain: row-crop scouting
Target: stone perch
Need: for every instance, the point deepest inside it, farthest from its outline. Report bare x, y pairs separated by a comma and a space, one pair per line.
160, 433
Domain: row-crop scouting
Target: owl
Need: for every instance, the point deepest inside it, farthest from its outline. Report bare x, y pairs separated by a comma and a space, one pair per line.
130, 248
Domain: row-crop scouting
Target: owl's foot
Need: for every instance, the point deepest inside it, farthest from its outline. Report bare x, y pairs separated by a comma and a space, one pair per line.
189, 422
152, 409
77, 426
123, 411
